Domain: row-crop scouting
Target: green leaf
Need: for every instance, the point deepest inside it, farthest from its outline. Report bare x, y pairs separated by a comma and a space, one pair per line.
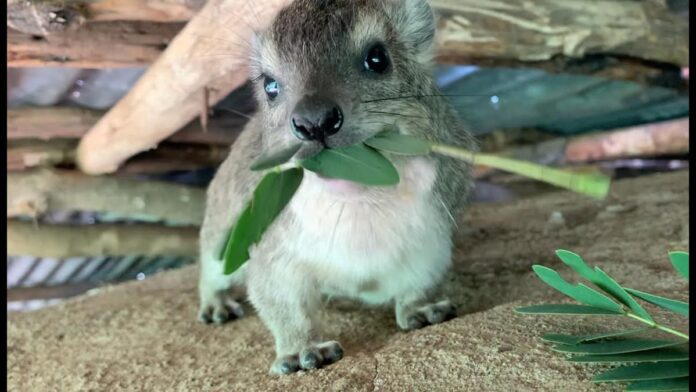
645, 371
593, 185
602, 280
615, 347
680, 261
660, 385
578, 292
568, 309
660, 354
275, 158
666, 303
270, 198
570, 339
357, 163
394, 142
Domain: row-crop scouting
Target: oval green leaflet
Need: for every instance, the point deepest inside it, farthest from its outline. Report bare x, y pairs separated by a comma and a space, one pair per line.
269, 199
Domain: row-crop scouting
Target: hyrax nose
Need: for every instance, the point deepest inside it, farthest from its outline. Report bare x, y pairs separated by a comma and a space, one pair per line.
316, 118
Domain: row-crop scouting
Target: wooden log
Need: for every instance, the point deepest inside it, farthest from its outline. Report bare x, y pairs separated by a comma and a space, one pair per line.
37, 192
212, 47
73, 123
28, 154
543, 29
62, 241
94, 45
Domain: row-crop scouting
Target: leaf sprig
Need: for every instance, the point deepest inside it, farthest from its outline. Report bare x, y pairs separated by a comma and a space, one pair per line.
649, 364
364, 163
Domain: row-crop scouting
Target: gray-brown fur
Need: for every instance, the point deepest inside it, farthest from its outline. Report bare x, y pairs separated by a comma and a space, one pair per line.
317, 47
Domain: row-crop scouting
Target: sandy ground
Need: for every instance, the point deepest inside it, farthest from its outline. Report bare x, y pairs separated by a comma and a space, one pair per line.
142, 336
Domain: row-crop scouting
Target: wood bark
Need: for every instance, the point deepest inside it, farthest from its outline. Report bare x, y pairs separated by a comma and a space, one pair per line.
73, 123
94, 45
63, 241
210, 49
37, 192
543, 29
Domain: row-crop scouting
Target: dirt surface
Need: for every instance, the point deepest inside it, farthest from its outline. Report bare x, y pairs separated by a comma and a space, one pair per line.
142, 336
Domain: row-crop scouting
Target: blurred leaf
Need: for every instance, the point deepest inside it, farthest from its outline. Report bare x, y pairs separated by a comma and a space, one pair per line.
270, 198
660, 354
568, 309
666, 303
579, 292
667, 384
273, 159
680, 261
357, 163
394, 142
645, 371
571, 340
602, 280
615, 347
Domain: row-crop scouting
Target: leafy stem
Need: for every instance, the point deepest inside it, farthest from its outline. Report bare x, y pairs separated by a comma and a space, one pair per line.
661, 327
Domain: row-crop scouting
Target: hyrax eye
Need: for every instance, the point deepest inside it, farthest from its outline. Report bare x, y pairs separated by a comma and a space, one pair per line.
271, 87
377, 59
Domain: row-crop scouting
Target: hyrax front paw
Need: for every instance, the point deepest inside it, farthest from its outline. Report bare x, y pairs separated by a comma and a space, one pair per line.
419, 317
219, 307
312, 357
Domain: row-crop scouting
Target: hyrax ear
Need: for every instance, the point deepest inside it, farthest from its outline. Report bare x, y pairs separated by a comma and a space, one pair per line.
416, 23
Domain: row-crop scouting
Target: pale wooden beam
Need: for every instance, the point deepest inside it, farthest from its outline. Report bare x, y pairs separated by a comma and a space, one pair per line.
63, 241
209, 53
37, 192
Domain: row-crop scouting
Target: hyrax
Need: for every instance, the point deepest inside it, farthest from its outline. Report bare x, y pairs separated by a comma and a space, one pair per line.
330, 74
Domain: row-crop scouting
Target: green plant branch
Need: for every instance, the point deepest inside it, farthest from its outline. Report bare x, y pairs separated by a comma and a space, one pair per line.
657, 325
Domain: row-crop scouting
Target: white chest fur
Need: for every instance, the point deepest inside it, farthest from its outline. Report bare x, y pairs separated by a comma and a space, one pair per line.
371, 243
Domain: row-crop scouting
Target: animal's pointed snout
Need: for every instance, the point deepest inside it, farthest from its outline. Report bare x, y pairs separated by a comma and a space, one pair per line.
316, 118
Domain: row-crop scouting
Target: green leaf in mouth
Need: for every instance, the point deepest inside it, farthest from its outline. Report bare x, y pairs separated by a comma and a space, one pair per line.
396, 143
276, 158
357, 163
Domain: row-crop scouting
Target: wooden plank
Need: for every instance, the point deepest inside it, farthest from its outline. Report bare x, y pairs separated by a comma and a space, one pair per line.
48, 292
94, 45
37, 192
63, 241
28, 154
43, 17
73, 123
210, 49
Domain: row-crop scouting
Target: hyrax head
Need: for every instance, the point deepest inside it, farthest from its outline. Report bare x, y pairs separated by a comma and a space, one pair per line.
334, 72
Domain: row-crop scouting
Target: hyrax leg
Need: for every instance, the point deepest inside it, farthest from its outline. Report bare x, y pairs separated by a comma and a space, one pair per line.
217, 301
418, 309
288, 303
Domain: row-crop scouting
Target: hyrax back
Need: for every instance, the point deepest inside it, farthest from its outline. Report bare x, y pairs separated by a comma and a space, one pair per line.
330, 74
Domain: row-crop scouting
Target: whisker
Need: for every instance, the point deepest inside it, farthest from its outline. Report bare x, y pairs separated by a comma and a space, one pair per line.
237, 112
418, 96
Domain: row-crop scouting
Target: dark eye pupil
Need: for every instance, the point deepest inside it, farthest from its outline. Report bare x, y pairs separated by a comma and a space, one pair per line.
376, 59
271, 87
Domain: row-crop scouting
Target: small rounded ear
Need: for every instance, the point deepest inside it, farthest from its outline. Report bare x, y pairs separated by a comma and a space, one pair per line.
416, 23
